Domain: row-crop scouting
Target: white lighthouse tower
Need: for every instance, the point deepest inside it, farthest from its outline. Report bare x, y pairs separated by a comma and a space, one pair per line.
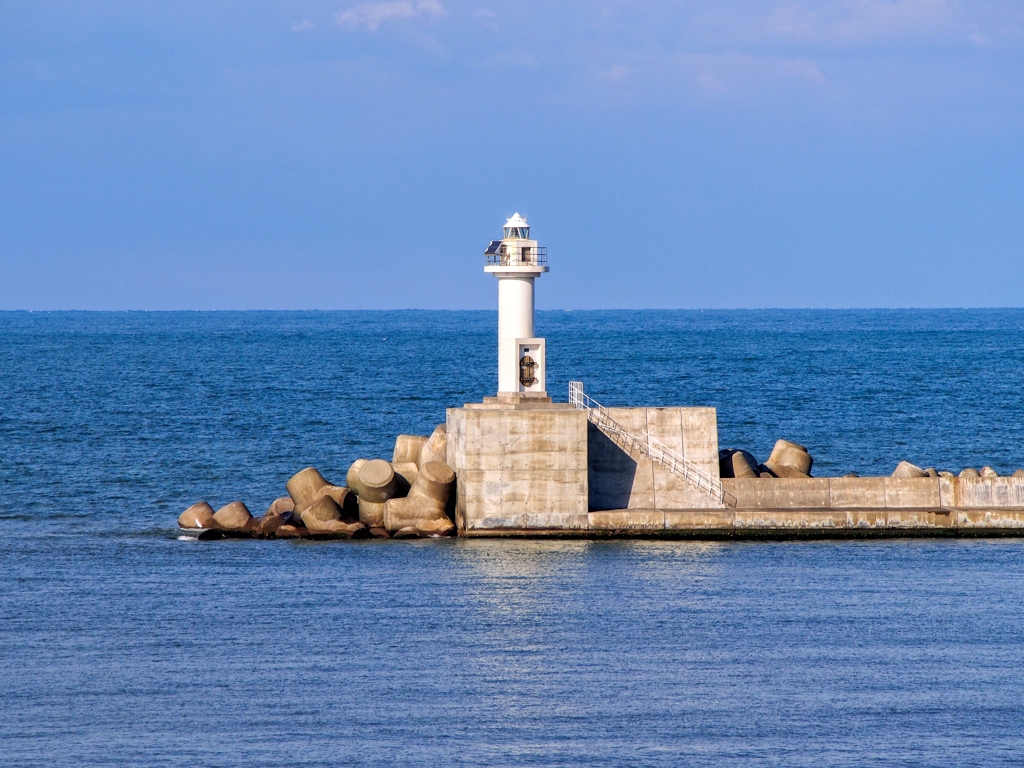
517, 261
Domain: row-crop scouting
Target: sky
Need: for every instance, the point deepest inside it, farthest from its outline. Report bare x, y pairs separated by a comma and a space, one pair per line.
348, 155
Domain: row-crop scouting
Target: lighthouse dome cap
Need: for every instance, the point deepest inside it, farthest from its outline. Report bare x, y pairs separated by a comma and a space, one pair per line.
517, 221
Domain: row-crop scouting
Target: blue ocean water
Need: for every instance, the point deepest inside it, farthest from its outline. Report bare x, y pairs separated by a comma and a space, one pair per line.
122, 645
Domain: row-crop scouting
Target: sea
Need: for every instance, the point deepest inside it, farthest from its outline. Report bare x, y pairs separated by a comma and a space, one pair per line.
123, 643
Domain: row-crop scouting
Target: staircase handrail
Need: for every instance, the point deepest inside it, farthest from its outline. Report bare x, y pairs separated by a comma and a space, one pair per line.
648, 445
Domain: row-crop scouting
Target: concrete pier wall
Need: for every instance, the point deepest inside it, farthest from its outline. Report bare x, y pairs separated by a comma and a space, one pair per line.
519, 468
619, 480
536, 468
835, 493
838, 507
879, 493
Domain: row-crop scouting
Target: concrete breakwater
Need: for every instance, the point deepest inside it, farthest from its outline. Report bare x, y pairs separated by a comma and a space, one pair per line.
836, 507
524, 466
549, 469
406, 497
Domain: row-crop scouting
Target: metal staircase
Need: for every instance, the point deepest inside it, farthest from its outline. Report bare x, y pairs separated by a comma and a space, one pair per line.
598, 415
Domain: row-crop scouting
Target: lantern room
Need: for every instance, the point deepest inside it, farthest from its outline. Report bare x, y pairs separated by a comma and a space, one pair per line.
516, 249
517, 228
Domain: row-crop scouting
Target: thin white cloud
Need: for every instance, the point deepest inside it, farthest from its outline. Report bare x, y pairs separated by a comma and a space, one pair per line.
729, 75
737, 75
851, 23
864, 21
302, 26
371, 16
774, 51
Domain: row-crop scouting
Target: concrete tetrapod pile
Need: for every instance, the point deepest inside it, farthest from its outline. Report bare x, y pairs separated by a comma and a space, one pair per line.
787, 460
406, 497
906, 469
793, 460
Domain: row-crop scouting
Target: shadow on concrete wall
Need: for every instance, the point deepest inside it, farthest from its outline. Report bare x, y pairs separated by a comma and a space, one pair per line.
611, 472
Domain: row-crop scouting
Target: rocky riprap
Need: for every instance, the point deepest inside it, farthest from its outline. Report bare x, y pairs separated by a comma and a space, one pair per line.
406, 497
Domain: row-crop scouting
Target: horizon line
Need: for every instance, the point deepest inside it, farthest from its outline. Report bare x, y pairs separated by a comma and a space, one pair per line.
553, 309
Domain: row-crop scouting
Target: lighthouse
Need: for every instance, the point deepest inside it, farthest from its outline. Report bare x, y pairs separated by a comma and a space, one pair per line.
517, 261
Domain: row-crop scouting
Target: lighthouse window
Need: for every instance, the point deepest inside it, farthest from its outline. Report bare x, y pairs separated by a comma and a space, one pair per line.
517, 233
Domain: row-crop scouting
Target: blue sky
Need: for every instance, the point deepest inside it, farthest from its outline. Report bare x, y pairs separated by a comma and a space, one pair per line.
336, 155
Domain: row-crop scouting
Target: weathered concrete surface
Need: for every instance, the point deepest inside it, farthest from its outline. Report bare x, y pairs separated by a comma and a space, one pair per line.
866, 518
627, 520
857, 492
419, 512
906, 469
233, 517
424, 507
519, 468
302, 487
981, 519
281, 505
377, 482
822, 508
406, 473
352, 476
836, 492
790, 523
199, 515
270, 522
324, 509
619, 480
540, 469
805, 492
973, 492
787, 455
407, 448
371, 513
434, 481
436, 446
880, 492
343, 497
911, 492
699, 520
807, 519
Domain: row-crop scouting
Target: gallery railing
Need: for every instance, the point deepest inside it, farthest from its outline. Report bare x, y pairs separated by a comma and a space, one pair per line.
524, 257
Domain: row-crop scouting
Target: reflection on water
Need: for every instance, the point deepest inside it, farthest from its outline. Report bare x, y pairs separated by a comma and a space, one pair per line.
546, 613
144, 649
511, 577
